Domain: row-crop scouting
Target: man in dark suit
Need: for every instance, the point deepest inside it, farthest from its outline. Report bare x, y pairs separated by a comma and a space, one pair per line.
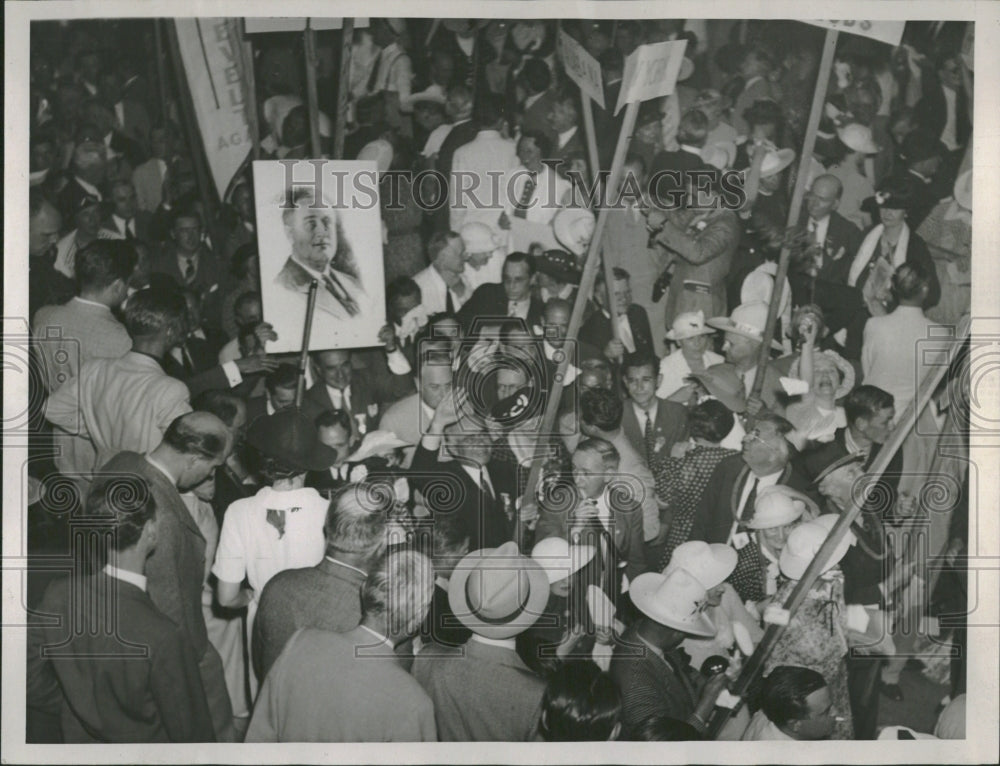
118, 671
460, 482
192, 447
328, 595
341, 386
491, 303
651, 424
564, 123
534, 80
449, 544
87, 177
634, 333
458, 107
334, 429
727, 504
187, 260
125, 218
671, 170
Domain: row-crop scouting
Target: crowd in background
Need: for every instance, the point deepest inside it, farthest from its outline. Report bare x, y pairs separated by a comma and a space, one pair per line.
260, 549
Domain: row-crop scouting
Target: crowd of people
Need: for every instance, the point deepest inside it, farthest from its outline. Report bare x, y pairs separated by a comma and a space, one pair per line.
387, 545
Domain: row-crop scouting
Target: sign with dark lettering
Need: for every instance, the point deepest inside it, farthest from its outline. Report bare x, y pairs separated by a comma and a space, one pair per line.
890, 32
651, 72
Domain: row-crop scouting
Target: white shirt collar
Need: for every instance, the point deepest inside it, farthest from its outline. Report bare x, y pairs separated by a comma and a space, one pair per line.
91, 303
312, 272
690, 149
344, 394
503, 643
566, 135
752, 80
124, 575
640, 413
532, 99
852, 446
120, 223
340, 563
379, 636
161, 468
89, 187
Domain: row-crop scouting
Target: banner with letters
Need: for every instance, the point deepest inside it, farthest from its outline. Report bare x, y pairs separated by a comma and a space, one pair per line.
210, 53
890, 32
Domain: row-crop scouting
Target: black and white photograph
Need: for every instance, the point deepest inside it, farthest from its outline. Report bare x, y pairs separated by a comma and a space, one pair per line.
581, 382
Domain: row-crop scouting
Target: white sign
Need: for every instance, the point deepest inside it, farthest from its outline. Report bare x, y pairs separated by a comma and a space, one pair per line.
651, 72
210, 52
320, 219
581, 67
295, 24
890, 32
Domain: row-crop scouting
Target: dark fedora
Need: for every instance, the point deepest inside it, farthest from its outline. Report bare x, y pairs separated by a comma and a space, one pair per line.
821, 461
290, 437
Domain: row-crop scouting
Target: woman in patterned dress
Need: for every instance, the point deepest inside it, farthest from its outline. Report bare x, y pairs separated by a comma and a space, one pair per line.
681, 481
816, 636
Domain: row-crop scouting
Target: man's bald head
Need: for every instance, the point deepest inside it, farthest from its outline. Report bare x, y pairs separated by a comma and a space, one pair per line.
824, 196
557, 314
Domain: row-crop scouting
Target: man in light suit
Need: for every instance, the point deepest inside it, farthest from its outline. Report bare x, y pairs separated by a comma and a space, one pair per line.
320, 251
351, 687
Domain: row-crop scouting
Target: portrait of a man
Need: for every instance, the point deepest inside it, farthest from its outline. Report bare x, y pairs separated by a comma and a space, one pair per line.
321, 251
313, 224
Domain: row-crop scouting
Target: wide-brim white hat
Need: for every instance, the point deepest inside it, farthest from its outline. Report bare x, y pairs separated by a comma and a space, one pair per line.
478, 237
775, 162
690, 324
778, 505
573, 228
858, 138
497, 592
748, 320
710, 563
377, 443
676, 600
804, 543
559, 559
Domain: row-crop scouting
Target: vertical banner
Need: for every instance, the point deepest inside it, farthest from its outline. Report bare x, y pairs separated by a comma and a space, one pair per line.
581, 67
213, 64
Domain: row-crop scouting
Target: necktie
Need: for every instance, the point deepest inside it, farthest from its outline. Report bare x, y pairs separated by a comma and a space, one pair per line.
512, 308
373, 77
129, 225
449, 302
337, 398
529, 190
648, 437
189, 270
336, 289
748, 505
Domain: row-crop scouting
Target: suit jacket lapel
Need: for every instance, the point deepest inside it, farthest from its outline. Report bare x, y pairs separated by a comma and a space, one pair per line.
176, 503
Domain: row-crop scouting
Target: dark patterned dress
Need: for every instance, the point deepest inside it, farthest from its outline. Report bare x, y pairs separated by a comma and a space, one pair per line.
680, 483
816, 637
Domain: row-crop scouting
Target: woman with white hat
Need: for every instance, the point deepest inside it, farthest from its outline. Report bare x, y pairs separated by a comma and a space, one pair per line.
777, 510
692, 353
816, 636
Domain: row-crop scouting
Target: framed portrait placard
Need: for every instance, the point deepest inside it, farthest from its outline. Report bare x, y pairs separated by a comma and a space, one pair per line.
320, 219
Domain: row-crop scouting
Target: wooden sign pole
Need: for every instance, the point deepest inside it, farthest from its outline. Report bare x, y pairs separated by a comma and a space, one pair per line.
309, 39
819, 96
300, 385
576, 318
250, 94
343, 88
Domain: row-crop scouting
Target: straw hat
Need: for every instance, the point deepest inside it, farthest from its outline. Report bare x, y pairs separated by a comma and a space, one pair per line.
775, 162
380, 151
573, 227
690, 324
748, 320
478, 238
858, 138
676, 600
377, 444
821, 461
778, 505
804, 543
559, 559
710, 564
559, 265
497, 592
721, 154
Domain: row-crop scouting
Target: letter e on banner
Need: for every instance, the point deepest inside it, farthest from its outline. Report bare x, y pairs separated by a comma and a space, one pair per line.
651, 72
581, 67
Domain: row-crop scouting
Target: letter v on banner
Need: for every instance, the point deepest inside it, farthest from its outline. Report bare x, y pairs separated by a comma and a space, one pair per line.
651, 72
213, 65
